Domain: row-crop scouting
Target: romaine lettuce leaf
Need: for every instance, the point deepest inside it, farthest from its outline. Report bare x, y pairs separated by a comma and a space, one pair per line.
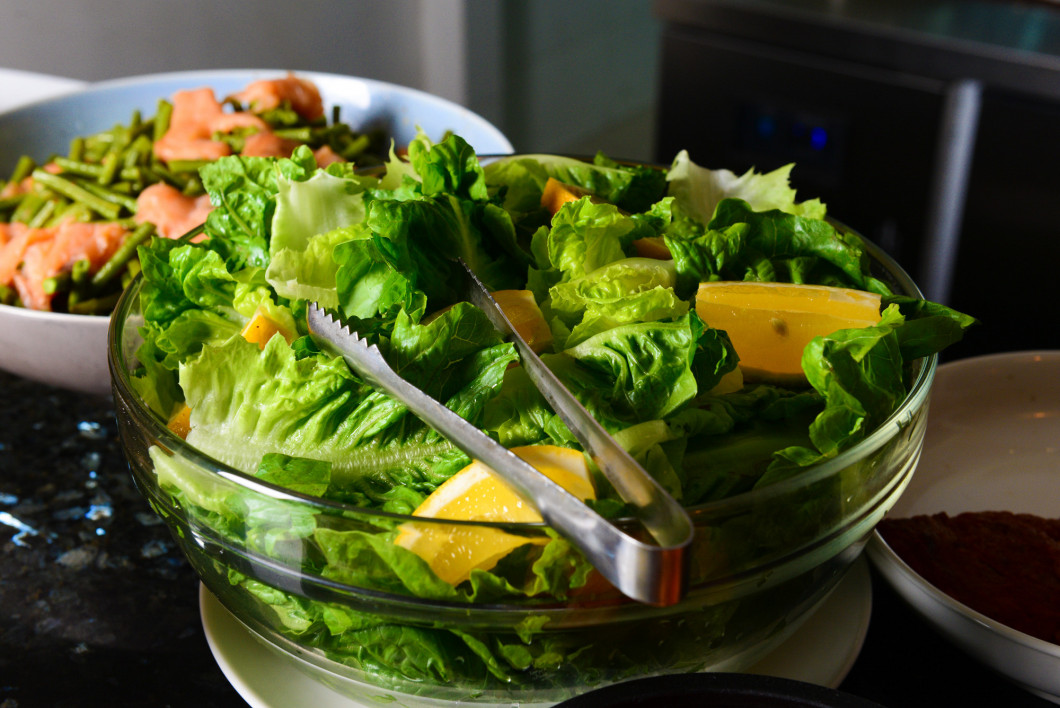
699, 190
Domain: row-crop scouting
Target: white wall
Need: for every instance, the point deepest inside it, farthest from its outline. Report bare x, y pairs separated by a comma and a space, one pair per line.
554, 75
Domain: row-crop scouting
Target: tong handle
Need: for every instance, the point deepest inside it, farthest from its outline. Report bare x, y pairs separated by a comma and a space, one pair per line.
644, 572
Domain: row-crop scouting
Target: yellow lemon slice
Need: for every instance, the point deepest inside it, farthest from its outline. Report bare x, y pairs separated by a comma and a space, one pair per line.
557, 193
652, 247
180, 423
770, 324
521, 309
476, 493
261, 328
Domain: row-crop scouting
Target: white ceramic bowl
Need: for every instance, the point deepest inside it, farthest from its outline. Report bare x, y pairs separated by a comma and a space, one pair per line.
992, 444
70, 351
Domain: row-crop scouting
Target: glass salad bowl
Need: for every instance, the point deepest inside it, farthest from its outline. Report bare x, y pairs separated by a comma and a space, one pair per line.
320, 582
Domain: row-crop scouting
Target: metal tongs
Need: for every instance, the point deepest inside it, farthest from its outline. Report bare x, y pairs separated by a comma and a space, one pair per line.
653, 574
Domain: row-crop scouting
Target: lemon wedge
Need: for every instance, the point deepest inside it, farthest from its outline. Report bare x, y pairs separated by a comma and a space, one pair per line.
770, 324
180, 423
261, 328
476, 493
556, 194
521, 309
652, 247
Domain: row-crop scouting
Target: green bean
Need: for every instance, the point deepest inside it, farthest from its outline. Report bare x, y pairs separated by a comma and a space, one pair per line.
78, 167
95, 306
31, 204
110, 167
8, 296
187, 165
94, 170
77, 149
72, 211
121, 257
303, 134
111, 195
73, 191
23, 168
356, 146
11, 202
162, 118
130, 272
57, 284
43, 214
81, 272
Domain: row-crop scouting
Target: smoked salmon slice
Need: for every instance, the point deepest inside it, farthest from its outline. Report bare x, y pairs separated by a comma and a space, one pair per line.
35, 254
172, 212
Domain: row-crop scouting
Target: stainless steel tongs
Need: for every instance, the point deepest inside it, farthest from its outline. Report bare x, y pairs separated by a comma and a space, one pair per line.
649, 573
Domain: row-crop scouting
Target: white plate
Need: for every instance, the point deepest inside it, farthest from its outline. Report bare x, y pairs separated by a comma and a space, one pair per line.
821, 651
992, 444
70, 351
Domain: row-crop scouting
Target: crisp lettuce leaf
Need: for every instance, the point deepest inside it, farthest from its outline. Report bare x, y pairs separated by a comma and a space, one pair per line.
740, 243
586, 236
698, 190
242, 191
621, 292
306, 228
648, 366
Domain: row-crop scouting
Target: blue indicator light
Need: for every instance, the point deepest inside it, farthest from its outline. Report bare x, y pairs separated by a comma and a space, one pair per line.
818, 138
766, 126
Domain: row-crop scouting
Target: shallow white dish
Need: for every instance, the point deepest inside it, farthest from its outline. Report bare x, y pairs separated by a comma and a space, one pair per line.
821, 651
70, 351
992, 444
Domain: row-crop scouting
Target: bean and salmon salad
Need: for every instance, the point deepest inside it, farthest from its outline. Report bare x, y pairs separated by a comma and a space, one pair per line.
70, 225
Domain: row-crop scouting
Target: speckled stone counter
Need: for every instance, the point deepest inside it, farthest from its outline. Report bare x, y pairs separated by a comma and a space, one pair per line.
98, 607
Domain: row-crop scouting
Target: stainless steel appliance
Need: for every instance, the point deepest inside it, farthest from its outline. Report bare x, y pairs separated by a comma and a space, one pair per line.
932, 126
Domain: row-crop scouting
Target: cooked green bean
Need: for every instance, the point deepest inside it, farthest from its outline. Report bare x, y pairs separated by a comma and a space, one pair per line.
81, 272
78, 193
43, 214
302, 134
77, 148
187, 165
95, 306
132, 269
8, 296
162, 118
57, 284
31, 204
71, 211
23, 168
11, 202
111, 195
110, 167
125, 252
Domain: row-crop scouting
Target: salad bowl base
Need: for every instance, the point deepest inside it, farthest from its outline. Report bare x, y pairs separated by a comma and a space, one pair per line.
821, 651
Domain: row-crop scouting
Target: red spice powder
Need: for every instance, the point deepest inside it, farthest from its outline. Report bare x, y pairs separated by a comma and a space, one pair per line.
1003, 565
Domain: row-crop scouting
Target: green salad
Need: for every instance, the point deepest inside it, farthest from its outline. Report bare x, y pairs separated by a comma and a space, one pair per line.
379, 249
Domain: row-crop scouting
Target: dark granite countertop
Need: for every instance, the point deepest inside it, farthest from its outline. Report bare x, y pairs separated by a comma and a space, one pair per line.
97, 607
